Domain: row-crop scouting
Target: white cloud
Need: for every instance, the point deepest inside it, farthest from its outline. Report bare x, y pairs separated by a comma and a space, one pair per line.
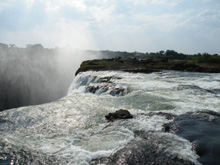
78, 4
139, 2
29, 3
163, 22
158, 2
165, 2
5, 4
209, 16
8, 3
63, 33
55, 5
102, 13
188, 20
128, 29
51, 7
205, 1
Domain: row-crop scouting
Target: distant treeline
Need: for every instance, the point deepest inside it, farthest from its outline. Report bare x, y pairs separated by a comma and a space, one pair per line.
173, 55
165, 55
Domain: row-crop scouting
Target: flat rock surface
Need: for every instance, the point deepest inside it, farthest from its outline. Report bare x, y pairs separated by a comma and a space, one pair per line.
203, 131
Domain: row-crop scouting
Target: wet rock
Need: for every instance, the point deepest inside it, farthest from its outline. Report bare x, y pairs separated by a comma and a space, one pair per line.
108, 88
168, 116
194, 89
141, 70
93, 88
142, 151
103, 85
117, 91
167, 128
106, 79
203, 130
23, 156
119, 114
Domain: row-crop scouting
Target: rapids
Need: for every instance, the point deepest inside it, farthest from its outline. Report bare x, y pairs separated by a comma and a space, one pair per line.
73, 130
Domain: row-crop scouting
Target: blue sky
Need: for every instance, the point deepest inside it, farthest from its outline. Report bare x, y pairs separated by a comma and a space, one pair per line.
126, 25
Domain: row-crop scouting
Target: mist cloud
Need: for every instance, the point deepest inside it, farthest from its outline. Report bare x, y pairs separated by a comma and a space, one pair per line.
36, 75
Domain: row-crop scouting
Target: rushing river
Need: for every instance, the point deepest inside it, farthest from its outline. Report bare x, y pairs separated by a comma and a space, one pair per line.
73, 130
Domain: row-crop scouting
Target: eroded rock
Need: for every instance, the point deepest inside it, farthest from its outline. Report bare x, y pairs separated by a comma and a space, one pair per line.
104, 85
119, 114
143, 150
107, 88
202, 129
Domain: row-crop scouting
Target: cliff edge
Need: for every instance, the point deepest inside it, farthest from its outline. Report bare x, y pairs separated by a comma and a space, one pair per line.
147, 65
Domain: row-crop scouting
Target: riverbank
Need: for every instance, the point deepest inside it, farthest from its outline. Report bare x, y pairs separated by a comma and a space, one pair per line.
147, 65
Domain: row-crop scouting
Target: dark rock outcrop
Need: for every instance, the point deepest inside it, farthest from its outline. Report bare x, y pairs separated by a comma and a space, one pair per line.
24, 156
112, 89
142, 151
147, 65
202, 129
119, 114
105, 85
128, 65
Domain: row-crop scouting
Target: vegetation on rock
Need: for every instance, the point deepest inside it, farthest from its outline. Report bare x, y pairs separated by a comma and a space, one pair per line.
148, 65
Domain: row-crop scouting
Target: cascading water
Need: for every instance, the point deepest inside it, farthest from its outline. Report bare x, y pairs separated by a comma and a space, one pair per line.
73, 130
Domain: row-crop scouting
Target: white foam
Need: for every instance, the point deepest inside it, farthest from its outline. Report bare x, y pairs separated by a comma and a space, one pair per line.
176, 145
74, 129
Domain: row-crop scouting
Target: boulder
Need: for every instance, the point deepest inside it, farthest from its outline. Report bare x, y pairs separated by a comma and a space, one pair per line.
119, 114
